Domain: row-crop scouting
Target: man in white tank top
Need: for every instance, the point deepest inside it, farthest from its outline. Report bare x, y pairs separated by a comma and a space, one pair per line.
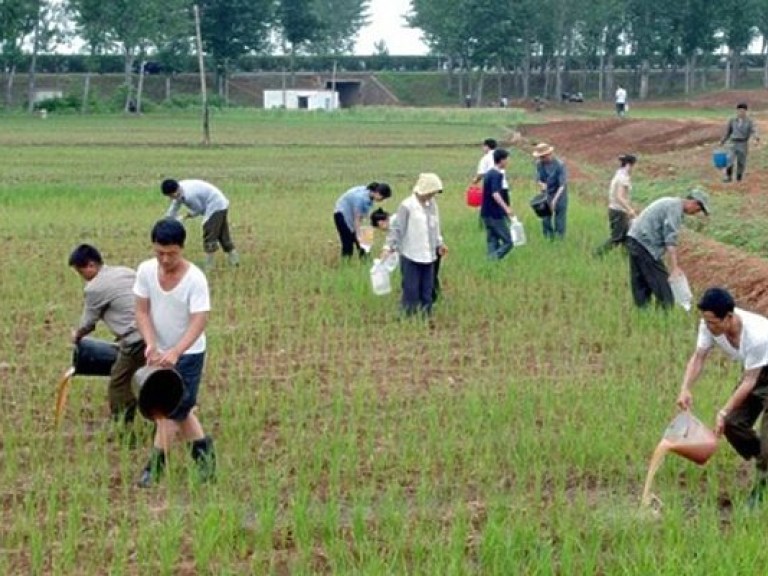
172, 305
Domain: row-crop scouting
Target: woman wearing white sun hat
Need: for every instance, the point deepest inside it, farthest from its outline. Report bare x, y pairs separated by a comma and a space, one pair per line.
416, 235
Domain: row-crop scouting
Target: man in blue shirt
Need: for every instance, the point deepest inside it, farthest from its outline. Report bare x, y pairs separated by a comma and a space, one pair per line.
351, 208
552, 179
495, 209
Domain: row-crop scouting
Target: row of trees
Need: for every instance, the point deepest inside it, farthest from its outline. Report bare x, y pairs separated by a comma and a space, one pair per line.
165, 29
513, 35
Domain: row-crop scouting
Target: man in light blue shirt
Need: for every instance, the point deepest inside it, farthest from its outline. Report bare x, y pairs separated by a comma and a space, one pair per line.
351, 208
202, 198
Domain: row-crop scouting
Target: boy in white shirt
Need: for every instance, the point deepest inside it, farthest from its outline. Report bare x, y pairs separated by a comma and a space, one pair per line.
202, 198
172, 305
743, 336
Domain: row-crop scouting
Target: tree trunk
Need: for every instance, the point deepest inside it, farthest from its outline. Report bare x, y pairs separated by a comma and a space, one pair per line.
292, 60
479, 88
86, 92
728, 62
601, 78
645, 70
31, 77
128, 72
525, 74
610, 77
558, 76
545, 71
140, 88
168, 88
10, 75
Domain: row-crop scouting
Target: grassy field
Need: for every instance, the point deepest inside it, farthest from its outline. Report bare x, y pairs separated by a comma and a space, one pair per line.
512, 438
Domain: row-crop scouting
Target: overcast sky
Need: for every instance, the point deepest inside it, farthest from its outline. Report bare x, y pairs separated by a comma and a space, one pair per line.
386, 22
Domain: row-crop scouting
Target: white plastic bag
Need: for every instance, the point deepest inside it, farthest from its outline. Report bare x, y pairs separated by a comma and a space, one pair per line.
380, 278
518, 232
681, 291
391, 262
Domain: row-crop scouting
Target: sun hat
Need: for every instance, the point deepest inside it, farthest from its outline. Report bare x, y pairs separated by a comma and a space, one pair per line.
542, 149
701, 197
428, 183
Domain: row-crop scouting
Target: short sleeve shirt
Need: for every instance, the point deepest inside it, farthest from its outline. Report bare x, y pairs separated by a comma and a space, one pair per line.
486, 163
354, 201
170, 311
494, 181
620, 179
753, 347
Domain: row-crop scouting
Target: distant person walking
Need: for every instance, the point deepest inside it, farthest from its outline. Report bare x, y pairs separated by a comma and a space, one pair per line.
351, 208
203, 198
738, 131
416, 235
620, 210
655, 233
496, 210
552, 179
621, 101
108, 296
743, 336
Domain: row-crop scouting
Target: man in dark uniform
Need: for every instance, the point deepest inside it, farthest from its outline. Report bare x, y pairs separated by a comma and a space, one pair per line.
739, 130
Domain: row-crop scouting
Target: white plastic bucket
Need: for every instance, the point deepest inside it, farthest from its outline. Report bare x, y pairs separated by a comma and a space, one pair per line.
681, 291
518, 232
391, 262
380, 278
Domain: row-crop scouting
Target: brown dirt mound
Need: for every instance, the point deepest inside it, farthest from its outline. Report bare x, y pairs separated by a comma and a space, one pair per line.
603, 140
757, 99
710, 263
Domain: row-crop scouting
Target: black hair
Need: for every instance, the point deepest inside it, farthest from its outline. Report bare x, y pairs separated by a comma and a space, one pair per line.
379, 215
381, 187
718, 301
168, 232
169, 186
491, 143
84, 255
742, 105
499, 154
627, 159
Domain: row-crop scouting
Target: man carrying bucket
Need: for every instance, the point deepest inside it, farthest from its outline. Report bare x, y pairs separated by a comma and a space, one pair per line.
743, 336
108, 296
172, 305
739, 130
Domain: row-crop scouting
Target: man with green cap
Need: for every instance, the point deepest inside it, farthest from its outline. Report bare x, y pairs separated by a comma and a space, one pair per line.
653, 234
739, 130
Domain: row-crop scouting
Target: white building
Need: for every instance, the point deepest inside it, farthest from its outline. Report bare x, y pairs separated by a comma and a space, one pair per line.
301, 99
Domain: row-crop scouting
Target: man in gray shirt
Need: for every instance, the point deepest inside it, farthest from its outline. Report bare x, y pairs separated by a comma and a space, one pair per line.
652, 234
739, 131
108, 296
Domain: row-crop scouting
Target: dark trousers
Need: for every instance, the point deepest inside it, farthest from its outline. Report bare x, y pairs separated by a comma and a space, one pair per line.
739, 151
498, 237
418, 282
648, 276
619, 223
216, 231
347, 237
740, 422
554, 224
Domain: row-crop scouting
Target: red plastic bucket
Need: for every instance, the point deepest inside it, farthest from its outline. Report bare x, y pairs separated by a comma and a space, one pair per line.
474, 196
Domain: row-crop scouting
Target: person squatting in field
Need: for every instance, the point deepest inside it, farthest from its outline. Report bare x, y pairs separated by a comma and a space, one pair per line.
655, 233
108, 296
620, 210
351, 208
416, 235
202, 198
743, 336
496, 210
172, 306
738, 130
552, 179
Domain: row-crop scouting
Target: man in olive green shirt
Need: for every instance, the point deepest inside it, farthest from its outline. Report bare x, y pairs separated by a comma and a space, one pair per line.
739, 130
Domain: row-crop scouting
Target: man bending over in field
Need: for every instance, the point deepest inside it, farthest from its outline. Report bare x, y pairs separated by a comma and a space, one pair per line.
743, 336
